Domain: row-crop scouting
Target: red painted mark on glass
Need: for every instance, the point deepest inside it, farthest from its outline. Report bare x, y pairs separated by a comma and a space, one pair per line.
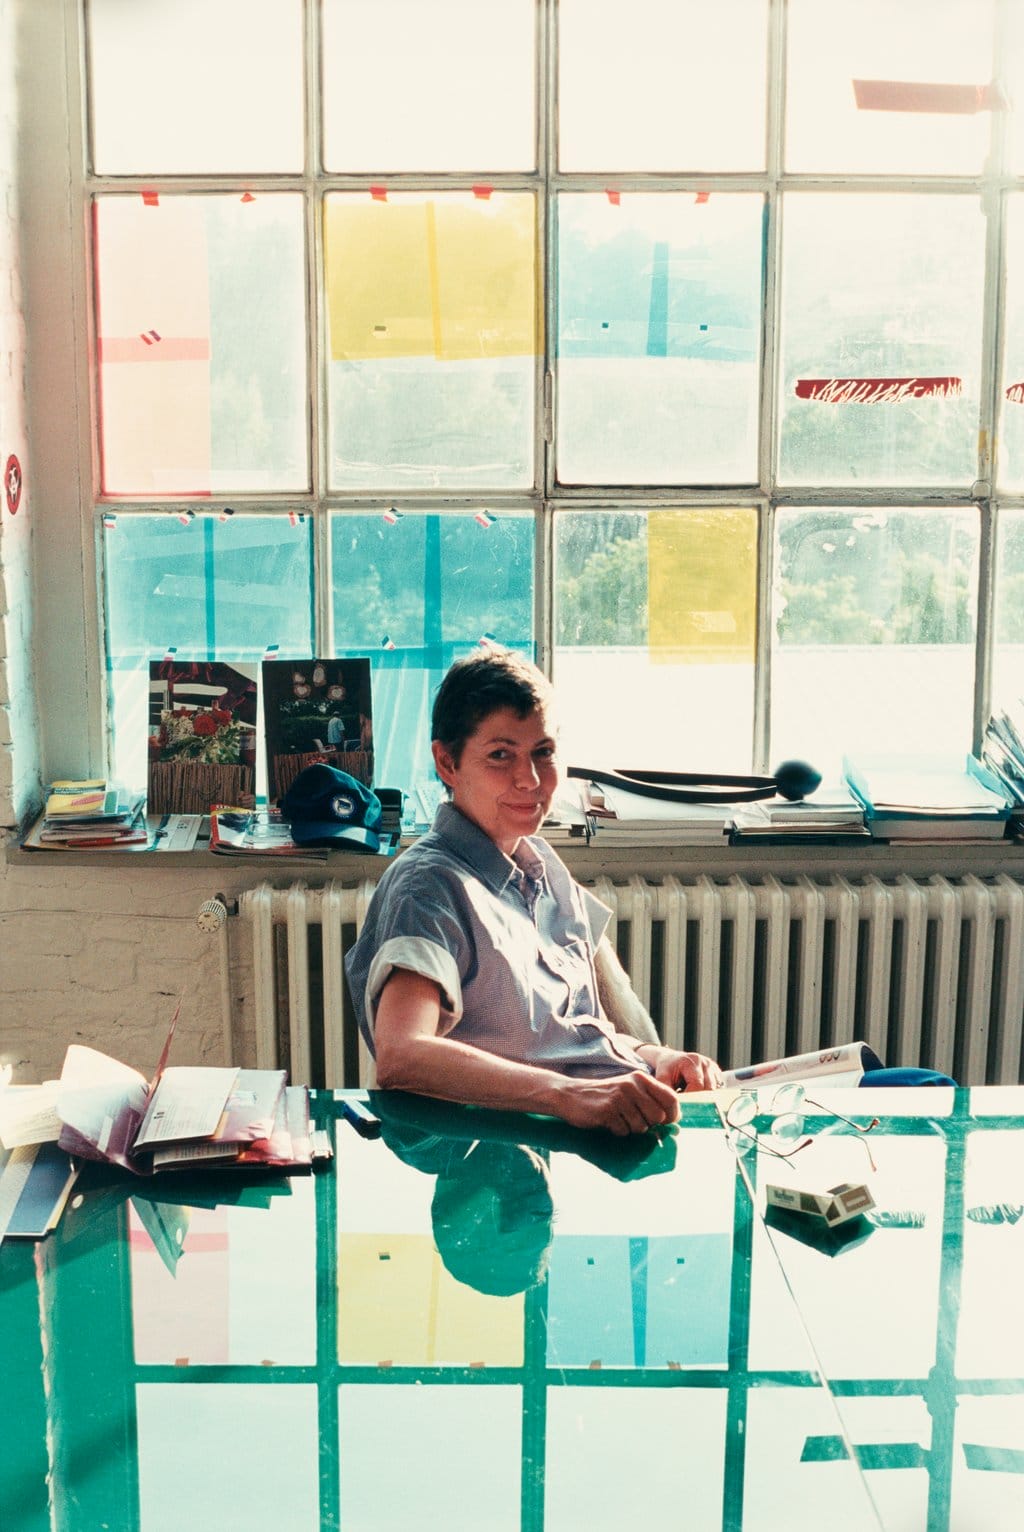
876, 390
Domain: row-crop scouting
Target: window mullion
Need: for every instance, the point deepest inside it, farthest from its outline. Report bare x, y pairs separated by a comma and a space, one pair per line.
761, 741
547, 140
992, 340
316, 373
769, 381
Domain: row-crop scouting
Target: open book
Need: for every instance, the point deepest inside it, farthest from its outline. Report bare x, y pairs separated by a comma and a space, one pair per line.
845, 1065
104, 1110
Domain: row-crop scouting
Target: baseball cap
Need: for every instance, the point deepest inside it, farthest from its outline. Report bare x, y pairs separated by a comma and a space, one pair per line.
327, 807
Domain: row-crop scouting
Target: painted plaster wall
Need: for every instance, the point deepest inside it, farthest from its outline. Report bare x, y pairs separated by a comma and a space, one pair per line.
19, 768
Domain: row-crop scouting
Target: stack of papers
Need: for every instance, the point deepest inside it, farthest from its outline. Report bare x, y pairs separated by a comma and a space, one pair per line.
149, 832
103, 1110
1003, 753
87, 813
912, 799
236, 831
614, 813
830, 815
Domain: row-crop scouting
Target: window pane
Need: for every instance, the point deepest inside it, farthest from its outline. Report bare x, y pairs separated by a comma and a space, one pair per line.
429, 85
1010, 457
212, 590
662, 87
1008, 649
200, 85
1011, 58
658, 338
881, 339
414, 592
874, 633
654, 637
201, 324
433, 327
874, 86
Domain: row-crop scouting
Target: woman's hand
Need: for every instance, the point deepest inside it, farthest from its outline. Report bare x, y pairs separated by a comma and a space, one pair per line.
411, 1056
623, 1104
682, 1071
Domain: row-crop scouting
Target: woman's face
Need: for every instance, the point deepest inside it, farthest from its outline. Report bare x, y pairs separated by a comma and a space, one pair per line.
506, 776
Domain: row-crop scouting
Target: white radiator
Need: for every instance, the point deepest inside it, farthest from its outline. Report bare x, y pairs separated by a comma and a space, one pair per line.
928, 972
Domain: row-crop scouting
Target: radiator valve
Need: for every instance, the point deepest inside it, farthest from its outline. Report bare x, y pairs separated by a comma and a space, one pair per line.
212, 914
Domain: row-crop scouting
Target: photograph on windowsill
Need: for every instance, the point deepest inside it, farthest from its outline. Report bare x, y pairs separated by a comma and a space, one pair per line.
202, 735
317, 711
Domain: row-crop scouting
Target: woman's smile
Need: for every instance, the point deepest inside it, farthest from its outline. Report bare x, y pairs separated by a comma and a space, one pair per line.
506, 775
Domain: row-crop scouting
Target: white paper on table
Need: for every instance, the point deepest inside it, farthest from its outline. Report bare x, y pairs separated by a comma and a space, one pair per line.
188, 1103
28, 1115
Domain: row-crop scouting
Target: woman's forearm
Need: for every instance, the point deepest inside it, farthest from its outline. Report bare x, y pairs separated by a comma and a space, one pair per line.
454, 1071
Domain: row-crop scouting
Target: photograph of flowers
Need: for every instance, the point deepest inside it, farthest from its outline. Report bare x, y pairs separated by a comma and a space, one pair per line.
202, 735
317, 710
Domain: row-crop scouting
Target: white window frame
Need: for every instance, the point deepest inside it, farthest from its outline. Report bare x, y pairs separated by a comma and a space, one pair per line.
62, 475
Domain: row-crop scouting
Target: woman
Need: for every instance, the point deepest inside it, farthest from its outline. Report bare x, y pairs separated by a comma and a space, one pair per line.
482, 973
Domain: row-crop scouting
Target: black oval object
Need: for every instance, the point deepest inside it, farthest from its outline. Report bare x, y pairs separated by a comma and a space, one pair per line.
796, 779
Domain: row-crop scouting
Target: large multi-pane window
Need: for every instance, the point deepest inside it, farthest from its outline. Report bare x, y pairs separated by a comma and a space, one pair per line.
680, 344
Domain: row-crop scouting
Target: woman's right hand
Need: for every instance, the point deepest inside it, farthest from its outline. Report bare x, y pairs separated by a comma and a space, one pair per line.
622, 1104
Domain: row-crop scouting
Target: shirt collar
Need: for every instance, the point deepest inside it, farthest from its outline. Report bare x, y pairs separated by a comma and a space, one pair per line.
487, 860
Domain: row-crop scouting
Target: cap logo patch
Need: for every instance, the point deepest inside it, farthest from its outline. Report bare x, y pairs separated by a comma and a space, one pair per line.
342, 807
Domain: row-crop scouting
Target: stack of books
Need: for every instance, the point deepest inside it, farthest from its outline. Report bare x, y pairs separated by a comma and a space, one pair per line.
1002, 751
80, 815
829, 816
925, 799
613, 814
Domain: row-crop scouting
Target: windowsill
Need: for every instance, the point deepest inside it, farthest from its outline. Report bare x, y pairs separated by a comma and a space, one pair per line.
945, 858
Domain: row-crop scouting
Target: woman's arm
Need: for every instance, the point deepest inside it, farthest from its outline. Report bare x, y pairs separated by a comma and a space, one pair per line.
622, 1007
619, 1002
412, 1056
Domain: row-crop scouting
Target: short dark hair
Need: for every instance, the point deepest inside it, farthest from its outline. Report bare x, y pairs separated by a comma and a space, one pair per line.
477, 686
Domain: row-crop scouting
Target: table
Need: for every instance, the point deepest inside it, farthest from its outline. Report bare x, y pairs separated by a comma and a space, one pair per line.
628, 1334
917, 1327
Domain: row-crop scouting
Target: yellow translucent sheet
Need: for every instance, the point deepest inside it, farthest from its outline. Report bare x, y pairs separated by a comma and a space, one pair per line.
702, 585
398, 1305
450, 276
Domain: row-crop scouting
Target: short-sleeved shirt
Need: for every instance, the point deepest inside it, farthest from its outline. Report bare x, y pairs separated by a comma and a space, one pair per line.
509, 941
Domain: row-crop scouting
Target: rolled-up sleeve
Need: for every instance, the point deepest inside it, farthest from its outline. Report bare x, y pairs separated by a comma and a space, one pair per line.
419, 955
419, 929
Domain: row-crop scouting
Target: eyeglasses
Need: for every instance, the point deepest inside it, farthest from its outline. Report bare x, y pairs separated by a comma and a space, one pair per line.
787, 1124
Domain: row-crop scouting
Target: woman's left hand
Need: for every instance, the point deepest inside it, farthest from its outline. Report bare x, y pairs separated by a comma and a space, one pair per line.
685, 1071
